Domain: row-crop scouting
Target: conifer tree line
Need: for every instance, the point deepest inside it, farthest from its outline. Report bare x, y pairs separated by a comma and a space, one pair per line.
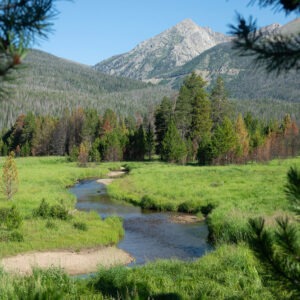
196, 126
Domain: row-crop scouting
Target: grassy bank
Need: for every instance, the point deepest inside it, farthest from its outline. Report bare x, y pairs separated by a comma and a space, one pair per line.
237, 192
48, 178
228, 273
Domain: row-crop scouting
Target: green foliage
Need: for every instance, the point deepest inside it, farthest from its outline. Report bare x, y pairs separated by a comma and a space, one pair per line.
173, 147
163, 116
74, 154
292, 188
94, 152
10, 218
11, 236
191, 92
43, 210
279, 254
80, 226
224, 141
56, 211
149, 141
219, 102
10, 177
111, 147
83, 155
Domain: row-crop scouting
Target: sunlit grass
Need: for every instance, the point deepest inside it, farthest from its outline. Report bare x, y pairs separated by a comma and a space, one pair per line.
238, 192
49, 178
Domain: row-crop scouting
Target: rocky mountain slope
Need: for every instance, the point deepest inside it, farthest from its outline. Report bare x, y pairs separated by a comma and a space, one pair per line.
170, 56
243, 79
172, 48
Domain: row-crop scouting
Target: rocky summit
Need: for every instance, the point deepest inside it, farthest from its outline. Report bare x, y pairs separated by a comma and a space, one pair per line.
169, 49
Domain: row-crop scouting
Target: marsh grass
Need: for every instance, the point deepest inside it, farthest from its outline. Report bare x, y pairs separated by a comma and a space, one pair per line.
228, 273
48, 178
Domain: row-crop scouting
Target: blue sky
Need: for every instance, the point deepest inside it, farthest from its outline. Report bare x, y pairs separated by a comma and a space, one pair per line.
88, 31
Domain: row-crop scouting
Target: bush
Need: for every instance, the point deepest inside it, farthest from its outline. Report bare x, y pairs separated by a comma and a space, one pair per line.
10, 217
43, 210
57, 211
80, 226
14, 236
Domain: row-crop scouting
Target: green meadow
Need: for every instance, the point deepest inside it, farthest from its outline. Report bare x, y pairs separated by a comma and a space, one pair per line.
49, 178
235, 192
226, 195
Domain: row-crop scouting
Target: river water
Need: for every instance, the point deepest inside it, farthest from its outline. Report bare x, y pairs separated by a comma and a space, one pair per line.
148, 235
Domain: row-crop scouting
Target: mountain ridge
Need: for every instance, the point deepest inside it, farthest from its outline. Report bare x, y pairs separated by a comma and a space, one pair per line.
171, 48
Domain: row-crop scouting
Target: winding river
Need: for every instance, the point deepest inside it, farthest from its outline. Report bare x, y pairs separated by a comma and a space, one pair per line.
148, 235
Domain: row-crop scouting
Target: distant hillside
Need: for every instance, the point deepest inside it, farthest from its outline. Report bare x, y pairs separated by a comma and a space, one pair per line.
48, 85
243, 81
170, 49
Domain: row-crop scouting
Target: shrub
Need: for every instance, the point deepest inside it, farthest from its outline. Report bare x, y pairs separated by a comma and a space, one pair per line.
14, 218
43, 210
10, 176
16, 236
57, 211
10, 217
80, 226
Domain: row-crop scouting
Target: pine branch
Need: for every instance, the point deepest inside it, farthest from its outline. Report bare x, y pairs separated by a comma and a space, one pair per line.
286, 5
284, 267
276, 52
292, 188
286, 238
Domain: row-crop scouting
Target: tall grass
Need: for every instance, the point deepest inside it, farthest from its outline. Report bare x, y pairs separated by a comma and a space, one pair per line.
228, 273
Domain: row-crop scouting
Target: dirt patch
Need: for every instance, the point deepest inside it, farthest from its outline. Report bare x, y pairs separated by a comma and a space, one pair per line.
105, 181
74, 263
185, 219
114, 174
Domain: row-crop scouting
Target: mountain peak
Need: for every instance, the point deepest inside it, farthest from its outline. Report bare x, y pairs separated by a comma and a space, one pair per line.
186, 23
161, 53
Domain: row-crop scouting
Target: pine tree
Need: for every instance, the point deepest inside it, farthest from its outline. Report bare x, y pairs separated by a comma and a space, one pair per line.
149, 141
201, 122
10, 176
224, 142
173, 147
94, 152
242, 138
163, 116
191, 89
220, 107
